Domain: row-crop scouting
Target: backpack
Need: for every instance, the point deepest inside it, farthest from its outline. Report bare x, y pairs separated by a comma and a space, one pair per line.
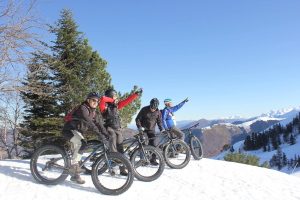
69, 116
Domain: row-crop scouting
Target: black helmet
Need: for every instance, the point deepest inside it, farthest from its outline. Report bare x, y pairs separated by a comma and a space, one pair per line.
110, 93
154, 103
94, 95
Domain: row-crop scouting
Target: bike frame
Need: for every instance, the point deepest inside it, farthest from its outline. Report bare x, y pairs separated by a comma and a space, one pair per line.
189, 131
136, 142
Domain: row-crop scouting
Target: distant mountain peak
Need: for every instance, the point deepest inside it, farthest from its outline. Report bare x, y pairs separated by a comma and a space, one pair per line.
280, 112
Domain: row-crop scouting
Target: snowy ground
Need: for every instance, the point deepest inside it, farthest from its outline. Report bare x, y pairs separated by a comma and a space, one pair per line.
205, 179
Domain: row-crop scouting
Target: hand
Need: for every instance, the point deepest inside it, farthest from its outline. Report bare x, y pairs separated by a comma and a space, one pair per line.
141, 130
186, 100
104, 139
164, 131
139, 91
116, 101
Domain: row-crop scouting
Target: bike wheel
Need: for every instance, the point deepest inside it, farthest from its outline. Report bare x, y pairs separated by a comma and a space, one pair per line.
177, 154
111, 182
143, 169
196, 148
49, 165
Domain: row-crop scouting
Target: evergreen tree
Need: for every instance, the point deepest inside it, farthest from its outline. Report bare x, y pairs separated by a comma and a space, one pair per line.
279, 158
61, 79
76, 68
292, 139
41, 117
248, 143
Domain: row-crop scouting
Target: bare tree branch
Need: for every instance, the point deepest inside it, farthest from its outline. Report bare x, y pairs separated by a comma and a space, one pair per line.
18, 38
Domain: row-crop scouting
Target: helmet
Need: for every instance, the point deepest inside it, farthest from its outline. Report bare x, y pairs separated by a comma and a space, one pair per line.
94, 95
167, 100
110, 93
154, 103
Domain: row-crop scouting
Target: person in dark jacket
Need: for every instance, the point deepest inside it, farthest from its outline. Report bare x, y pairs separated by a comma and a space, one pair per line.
83, 119
109, 106
148, 118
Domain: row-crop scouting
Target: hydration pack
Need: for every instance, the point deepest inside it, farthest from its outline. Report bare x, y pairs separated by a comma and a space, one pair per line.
69, 116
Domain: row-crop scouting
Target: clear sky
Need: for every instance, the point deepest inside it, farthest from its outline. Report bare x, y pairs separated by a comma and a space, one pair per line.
230, 57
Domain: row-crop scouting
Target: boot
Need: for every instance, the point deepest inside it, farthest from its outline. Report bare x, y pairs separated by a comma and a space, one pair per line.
123, 172
154, 162
77, 179
75, 169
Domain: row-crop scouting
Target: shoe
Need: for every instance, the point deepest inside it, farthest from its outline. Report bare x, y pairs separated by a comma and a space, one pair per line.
173, 155
154, 162
77, 179
75, 169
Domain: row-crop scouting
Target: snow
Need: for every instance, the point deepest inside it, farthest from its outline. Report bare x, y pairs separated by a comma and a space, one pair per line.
247, 124
289, 150
205, 179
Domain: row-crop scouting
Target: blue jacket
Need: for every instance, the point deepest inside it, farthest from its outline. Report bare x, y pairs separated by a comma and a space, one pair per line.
168, 116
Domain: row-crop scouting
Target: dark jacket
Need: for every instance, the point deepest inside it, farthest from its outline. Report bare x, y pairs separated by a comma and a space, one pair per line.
85, 119
148, 119
112, 117
110, 112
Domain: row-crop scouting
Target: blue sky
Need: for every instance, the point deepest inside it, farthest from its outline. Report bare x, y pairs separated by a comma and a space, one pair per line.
230, 57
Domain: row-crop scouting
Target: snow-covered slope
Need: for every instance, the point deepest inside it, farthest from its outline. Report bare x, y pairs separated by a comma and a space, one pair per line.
247, 125
289, 150
205, 179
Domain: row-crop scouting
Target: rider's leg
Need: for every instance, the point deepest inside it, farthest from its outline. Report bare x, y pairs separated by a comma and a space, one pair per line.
177, 132
76, 157
76, 144
112, 140
152, 142
115, 144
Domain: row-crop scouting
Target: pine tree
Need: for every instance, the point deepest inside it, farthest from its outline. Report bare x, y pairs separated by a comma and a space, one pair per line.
41, 116
248, 143
284, 159
77, 69
279, 158
292, 139
61, 79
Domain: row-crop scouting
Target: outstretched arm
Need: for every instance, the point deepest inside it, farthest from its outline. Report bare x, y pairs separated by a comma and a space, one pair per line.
177, 107
127, 101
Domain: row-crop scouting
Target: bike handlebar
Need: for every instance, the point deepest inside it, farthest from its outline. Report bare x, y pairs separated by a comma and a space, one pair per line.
195, 125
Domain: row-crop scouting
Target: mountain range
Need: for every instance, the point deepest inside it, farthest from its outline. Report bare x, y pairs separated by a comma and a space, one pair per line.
216, 135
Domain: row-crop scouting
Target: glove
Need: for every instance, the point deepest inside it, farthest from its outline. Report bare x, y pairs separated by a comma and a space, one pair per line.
139, 91
106, 143
141, 130
186, 100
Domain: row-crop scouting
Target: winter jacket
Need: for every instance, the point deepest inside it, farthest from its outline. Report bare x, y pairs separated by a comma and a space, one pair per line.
85, 119
168, 117
148, 119
110, 111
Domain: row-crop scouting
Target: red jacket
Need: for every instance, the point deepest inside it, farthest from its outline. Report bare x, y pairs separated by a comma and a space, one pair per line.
121, 104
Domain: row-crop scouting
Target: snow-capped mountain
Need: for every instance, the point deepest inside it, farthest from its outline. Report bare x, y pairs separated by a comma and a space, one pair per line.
285, 112
204, 179
215, 134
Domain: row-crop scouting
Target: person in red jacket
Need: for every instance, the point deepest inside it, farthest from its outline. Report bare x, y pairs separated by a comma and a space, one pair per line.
109, 106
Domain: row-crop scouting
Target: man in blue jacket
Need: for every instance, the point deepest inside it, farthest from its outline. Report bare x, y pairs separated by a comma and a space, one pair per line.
168, 117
